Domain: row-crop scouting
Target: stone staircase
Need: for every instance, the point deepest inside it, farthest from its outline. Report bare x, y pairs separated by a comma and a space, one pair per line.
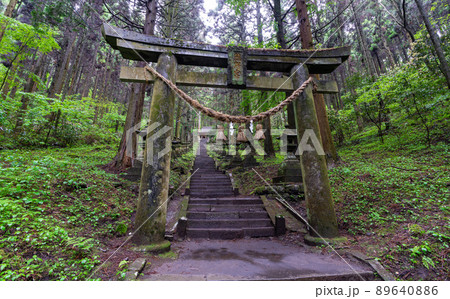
134, 173
215, 212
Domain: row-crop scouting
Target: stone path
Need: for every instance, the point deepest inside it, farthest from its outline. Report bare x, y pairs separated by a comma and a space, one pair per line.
253, 259
214, 211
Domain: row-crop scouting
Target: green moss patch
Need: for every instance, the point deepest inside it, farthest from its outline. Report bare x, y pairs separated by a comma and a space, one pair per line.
156, 248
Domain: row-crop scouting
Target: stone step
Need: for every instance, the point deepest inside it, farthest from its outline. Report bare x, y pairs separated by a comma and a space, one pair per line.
215, 189
207, 172
211, 194
210, 184
212, 177
229, 223
228, 233
227, 215
207, 179
226, 208
134, 171
211, 173
233, 197
212, 190
229, 201
137, 163
202, 182
132, 178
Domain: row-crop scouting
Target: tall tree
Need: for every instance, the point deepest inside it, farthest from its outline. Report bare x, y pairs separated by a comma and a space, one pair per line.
137, 97
268, 142
444, 66
401, 7
279, 22
319, 101
10, 8
8, 13
368, 60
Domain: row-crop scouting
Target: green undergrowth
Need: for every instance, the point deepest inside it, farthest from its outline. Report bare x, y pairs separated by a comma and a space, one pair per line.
251, 178
181, 166
394, 203
56, 208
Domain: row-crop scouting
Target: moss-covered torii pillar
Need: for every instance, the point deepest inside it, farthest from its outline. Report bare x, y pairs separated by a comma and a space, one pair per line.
319, 203
154, 188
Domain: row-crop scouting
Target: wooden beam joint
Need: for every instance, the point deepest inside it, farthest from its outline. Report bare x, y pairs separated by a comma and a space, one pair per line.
214, 80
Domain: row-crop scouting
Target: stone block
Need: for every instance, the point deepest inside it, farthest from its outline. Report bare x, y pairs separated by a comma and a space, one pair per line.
317, 241
280, 225
155, 248
135, 269
181, 228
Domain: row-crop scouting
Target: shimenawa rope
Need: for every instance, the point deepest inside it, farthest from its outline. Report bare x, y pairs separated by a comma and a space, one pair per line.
225, 117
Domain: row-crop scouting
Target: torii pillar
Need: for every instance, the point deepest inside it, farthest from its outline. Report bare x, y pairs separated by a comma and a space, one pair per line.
154, 188
319, 203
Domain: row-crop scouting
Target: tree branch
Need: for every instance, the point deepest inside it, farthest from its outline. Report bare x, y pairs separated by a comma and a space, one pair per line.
333, 19
287, 11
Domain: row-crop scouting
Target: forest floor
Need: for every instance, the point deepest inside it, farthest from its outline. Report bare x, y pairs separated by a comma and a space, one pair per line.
392, 204
58, 207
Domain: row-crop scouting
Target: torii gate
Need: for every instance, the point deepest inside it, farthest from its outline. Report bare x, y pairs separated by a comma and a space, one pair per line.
168, 53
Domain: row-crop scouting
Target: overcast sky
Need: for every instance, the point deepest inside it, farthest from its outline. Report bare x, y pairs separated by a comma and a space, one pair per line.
210, 4
208, 21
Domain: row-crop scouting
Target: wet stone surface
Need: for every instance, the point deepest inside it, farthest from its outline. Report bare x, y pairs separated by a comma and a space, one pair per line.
253, 259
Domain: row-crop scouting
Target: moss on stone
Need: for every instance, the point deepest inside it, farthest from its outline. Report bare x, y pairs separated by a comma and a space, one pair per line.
183, 208
155, 248
169, 255
156, 177
259, 190
121, 229
317, 241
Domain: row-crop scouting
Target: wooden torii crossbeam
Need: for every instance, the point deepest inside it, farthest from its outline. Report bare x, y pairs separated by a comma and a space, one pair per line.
136, 46
295, 66
215, 80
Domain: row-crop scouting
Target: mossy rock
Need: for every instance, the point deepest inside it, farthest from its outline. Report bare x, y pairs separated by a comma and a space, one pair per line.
416, 230
224, 165
260, 190
156, 248
169, 255
2, 254
121, 229
317, 241
183, 208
